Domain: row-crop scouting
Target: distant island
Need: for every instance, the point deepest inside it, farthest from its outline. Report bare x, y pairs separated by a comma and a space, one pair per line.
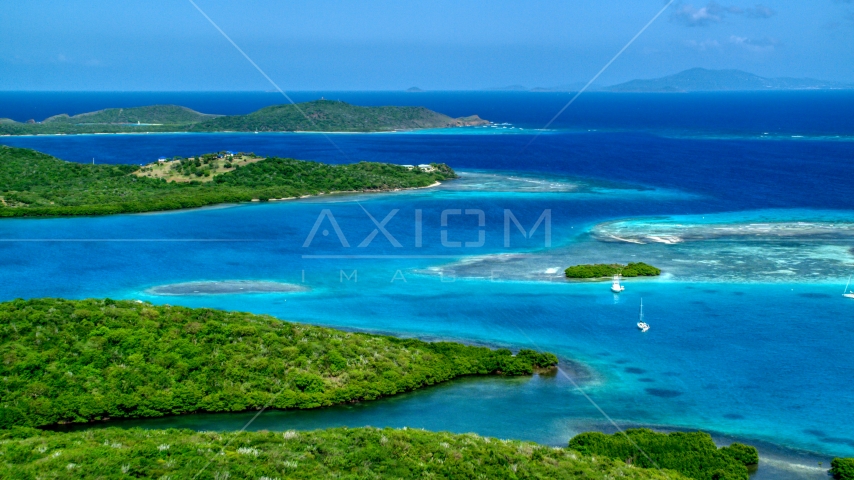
602, 270
151, 115
315, 116
569, 87
702, 80
694, 80
36, 184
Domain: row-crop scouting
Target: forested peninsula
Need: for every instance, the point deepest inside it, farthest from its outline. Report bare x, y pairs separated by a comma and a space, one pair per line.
36, 184
315, 116
79, 361
84, 360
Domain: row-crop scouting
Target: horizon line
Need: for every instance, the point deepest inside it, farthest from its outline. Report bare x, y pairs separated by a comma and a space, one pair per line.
471, 90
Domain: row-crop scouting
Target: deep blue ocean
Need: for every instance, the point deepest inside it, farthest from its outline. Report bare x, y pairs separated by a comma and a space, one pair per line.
750, 339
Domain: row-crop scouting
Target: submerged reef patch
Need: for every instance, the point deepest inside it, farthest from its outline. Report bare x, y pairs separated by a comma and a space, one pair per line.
675, 230
225, 287
663, 392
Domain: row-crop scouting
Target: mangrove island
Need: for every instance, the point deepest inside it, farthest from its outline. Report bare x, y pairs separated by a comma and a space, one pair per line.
602, 270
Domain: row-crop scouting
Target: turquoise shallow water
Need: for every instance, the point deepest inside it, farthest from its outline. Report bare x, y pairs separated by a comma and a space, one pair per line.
741, 349
730, 357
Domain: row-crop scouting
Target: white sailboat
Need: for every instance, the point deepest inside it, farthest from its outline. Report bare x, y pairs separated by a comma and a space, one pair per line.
615, 285
848, 293
643, 326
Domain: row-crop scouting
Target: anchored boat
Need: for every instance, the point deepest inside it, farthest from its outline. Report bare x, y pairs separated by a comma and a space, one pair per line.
846, 292
643, 326
615, 285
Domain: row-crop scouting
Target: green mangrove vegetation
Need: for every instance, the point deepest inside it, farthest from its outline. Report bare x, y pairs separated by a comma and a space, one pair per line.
692, 454
84, 360
600, 270
316, 116
37, 184
842, 468
78, 361
358, 453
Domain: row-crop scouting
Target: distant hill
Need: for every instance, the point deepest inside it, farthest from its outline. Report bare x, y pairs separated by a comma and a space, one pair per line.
701, 79
153, 114
414, 90
323, 115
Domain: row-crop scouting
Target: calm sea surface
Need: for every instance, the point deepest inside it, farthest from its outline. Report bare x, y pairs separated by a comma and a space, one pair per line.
750, 335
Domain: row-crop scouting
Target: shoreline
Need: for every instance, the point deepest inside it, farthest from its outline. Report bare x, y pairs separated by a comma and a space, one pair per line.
233, 132
776, 460
254, 201
481, 130
347, 192
579, 369
773, 456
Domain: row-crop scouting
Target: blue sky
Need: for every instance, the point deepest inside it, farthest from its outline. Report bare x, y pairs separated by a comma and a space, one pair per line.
392, 45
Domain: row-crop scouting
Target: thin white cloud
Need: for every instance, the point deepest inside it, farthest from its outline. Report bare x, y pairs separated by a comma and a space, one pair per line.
765, 44
735, 43
714, 12
692, 16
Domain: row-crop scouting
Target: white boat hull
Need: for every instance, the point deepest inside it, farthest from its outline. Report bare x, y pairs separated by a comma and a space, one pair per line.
616, 287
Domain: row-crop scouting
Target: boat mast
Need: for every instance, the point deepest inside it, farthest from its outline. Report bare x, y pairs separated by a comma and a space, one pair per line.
640, 318
845, 290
